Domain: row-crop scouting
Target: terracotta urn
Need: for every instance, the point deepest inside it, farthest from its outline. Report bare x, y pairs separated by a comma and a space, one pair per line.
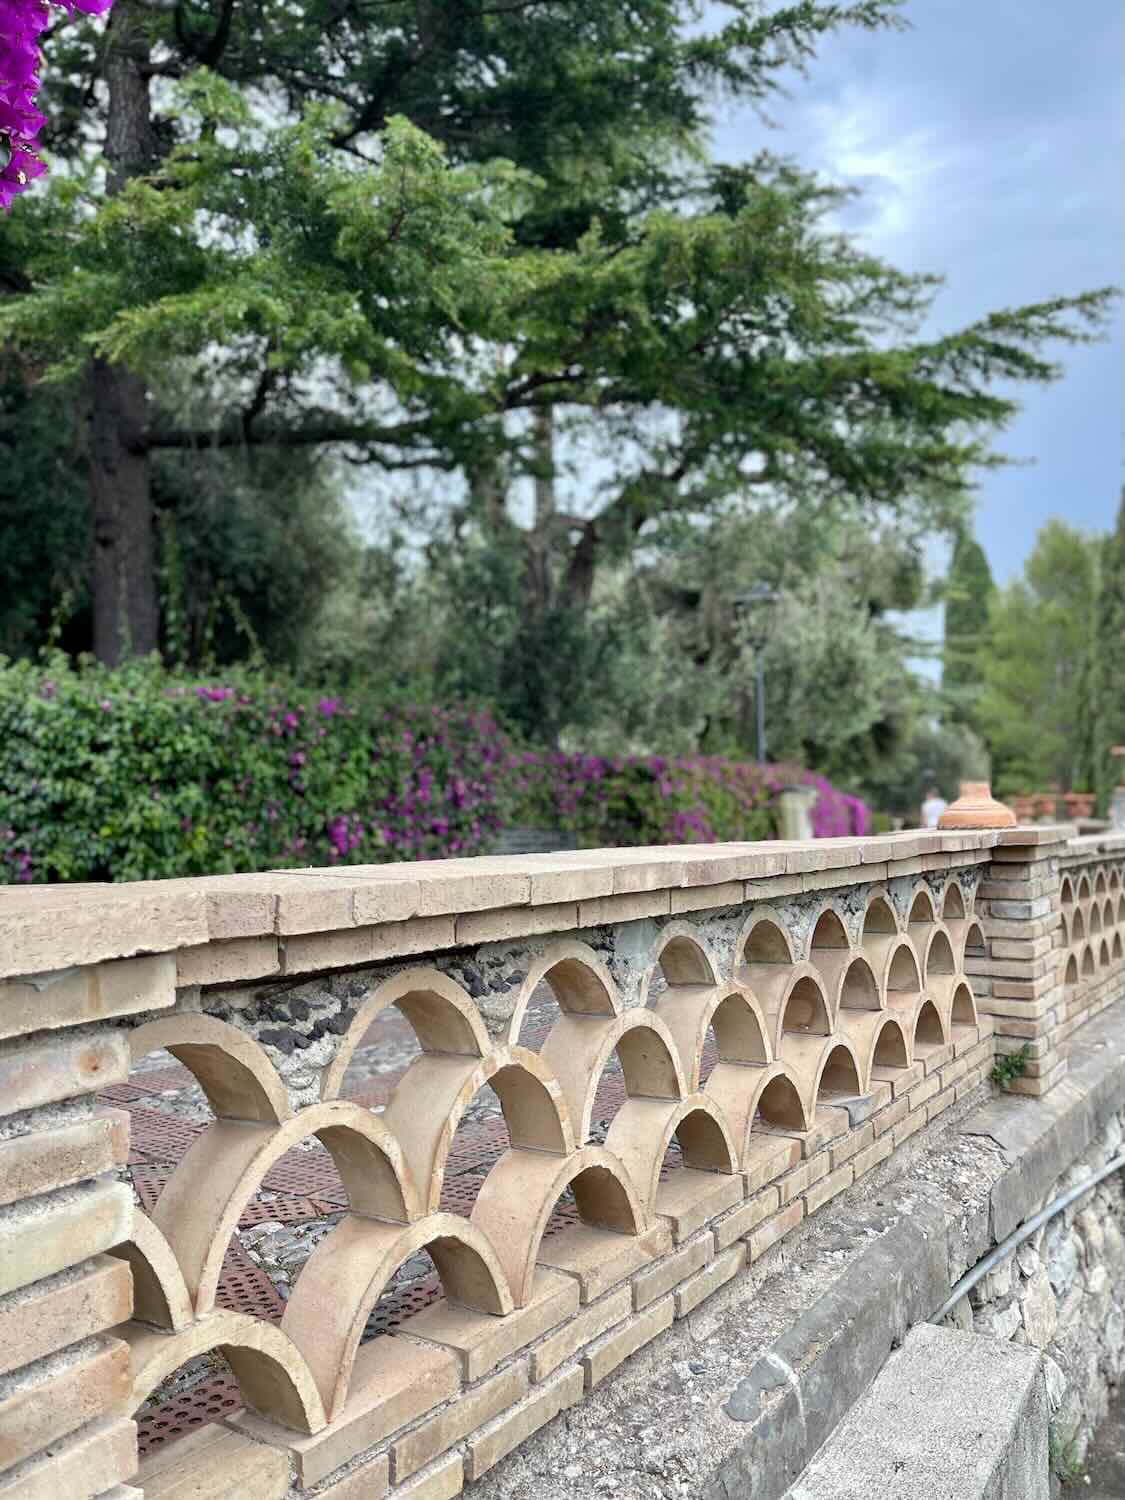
977, 808
1046, 805
1024, 808
1079, 804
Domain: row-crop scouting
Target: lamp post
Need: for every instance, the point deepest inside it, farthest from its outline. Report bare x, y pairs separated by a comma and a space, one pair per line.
758, 593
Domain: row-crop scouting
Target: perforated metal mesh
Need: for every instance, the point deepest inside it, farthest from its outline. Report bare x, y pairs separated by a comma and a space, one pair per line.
400, 1303
162, 1136
307, 1172
201, 1404
245, 1287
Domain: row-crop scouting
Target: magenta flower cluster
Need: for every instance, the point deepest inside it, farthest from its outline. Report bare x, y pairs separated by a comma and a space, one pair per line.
685, 800
21, 23
141, 773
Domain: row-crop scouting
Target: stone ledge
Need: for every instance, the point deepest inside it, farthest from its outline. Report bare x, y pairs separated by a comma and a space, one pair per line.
48, 928
949, 1414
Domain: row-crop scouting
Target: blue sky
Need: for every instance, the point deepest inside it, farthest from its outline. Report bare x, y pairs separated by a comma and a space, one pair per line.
988, 140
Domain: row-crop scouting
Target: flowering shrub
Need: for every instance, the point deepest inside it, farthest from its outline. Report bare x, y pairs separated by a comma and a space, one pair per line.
21, 22
652, 800
139, 773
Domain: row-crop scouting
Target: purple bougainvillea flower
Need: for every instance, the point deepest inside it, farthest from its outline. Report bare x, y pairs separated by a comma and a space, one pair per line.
21, 22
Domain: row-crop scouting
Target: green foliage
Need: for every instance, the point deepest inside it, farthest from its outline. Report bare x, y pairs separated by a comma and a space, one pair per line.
1010, 1065
1064, 1456
141, 773
934, 753
968, 592
1040, 637
44, 522
1107, 688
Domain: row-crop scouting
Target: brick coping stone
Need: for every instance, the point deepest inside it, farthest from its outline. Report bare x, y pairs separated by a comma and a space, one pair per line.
44, 929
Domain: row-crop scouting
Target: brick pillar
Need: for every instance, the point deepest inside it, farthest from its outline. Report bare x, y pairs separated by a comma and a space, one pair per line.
65, 1380
1017, 981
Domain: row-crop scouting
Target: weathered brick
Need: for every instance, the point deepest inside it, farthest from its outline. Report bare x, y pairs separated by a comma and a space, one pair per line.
828, 1187
1037, 1087
482, 1341
859, 1139
1015, 890
371, 1481
213, 1463
942, 1102
444, 1480
73, 997
888, 1118
703, 897
1026, 947
592, 1321
768, 1235
46, 1235
925, 1090
73, 1304
705, 1283
493, 1442
599, 1261
773, 888
629, 907
613, 1348
736, 1225
970, 1081
794, 1183
669, 1272
472, 1408
394, 1381
515, 921
43, 1070
954, 1070
689, 1199
767, 1156
228, 962
872, 1155
79, 1467
1018, 911
52, 1397
47, 1159
305, 953
909, 1126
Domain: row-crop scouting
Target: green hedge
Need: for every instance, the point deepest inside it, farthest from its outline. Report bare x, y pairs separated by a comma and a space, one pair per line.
140, 773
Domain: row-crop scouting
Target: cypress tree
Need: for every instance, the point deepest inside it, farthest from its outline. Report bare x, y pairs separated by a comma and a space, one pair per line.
969, 589
1108, 673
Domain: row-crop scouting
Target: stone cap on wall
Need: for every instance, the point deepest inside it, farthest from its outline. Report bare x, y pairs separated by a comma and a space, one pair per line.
46, 928
1091, 846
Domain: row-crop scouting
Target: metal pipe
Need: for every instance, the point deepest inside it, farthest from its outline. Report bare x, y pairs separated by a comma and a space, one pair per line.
1024, 1232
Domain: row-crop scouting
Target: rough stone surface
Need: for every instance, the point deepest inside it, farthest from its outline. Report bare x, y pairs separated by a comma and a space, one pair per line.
949, 1415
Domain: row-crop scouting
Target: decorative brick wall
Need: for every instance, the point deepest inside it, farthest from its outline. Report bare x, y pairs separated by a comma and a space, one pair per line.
623, 1076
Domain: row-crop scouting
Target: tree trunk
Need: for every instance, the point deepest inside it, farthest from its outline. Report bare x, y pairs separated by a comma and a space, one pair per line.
125, 608
125, 602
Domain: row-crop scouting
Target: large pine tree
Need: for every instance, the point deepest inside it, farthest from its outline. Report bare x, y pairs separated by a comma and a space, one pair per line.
320, 216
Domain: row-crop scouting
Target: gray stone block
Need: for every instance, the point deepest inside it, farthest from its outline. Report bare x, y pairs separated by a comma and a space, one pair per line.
949, 1415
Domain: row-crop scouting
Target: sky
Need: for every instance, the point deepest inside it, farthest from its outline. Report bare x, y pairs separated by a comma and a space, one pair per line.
988, 142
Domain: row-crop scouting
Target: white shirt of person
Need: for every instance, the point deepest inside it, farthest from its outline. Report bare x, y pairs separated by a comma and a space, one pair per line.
932, 809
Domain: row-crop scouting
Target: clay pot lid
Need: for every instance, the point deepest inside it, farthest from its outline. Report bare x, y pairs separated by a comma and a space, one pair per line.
976, 807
